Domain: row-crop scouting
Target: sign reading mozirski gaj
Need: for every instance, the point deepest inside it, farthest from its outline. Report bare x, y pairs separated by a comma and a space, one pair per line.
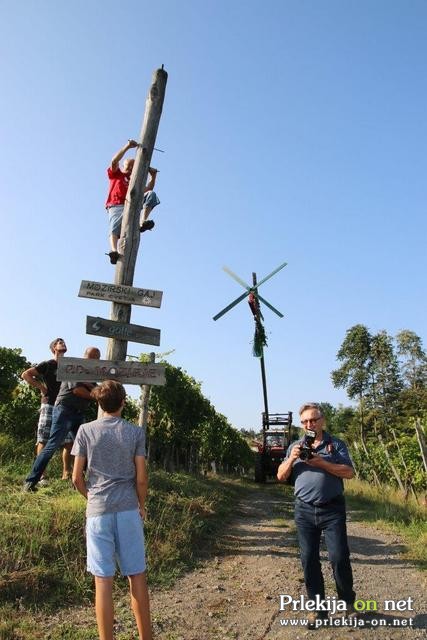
120, 293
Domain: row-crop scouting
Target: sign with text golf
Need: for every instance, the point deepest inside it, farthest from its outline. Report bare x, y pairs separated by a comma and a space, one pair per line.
88, 370
120, 293
122, 331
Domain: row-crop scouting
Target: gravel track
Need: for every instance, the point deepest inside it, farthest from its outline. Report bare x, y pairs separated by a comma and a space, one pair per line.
235, 596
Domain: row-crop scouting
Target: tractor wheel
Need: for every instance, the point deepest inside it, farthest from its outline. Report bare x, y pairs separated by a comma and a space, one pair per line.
259, 468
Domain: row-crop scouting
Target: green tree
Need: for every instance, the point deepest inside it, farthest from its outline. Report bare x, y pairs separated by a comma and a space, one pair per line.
328, 411
12, 364
345, 421
184, 429
386, 384
339, 420
19, 404
390, 385
19, 416
354, 373
413, 362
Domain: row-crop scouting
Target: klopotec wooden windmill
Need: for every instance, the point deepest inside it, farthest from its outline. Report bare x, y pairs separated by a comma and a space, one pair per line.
254, 300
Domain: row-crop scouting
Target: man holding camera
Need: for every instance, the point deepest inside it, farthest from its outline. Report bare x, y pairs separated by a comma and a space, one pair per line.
316, 466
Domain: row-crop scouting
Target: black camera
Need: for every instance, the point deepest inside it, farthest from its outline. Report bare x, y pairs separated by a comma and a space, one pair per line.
307, 445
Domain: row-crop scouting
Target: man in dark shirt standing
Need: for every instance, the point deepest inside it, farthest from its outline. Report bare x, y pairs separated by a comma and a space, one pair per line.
43, 377
68, 414
320, 507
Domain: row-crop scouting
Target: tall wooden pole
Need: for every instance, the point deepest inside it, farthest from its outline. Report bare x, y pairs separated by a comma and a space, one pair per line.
130, 234
263, 376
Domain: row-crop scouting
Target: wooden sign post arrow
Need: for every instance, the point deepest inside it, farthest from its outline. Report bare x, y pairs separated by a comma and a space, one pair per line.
84, 369
122, 331
120, 293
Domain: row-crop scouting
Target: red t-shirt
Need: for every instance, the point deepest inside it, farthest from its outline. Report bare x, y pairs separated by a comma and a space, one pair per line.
119, 183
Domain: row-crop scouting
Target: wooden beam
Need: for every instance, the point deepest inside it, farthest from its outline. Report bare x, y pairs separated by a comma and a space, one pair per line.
87, 370
130, 233
110, 329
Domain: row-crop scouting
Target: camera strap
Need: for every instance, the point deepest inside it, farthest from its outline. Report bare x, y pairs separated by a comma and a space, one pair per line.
330, 445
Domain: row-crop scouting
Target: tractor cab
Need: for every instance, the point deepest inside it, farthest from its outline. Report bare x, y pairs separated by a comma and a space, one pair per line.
276, 437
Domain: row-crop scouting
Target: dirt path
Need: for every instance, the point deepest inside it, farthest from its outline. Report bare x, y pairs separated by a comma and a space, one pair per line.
235, 596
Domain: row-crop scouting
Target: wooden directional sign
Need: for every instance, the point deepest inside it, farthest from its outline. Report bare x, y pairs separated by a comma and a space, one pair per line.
120, 293
88, 370
122, 331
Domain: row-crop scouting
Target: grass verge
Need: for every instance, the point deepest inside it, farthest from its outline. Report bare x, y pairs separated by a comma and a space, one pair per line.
42, 565
387, 509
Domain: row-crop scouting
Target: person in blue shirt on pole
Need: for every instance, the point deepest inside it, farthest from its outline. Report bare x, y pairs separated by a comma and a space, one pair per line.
320, 506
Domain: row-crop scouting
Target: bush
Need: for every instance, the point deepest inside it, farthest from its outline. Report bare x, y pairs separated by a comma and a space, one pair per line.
19, 416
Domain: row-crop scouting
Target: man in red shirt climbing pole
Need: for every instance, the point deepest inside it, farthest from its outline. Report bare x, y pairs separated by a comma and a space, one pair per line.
118, 186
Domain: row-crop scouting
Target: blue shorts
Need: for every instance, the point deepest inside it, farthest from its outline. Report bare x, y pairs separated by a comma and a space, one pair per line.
115, 214
150, 200
115, 537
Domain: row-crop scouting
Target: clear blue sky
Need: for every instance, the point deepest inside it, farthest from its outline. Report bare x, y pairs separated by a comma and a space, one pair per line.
293, 131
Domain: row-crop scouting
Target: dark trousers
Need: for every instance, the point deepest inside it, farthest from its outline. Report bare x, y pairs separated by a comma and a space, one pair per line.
64, 419
331, 519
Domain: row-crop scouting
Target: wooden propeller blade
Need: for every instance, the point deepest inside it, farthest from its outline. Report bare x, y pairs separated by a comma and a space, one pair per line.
270, 306
236, 278
230, 306
270, 275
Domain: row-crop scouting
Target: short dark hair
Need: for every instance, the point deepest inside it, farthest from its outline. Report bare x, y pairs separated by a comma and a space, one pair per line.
53, 344
110, 395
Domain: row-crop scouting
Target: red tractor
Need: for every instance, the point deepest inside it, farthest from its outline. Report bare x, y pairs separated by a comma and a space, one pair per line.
276, 438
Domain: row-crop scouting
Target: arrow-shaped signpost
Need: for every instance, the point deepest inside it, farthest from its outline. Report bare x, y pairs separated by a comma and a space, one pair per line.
254, 303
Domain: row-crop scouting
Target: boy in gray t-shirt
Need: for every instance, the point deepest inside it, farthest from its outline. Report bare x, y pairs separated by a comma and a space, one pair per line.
111, 452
